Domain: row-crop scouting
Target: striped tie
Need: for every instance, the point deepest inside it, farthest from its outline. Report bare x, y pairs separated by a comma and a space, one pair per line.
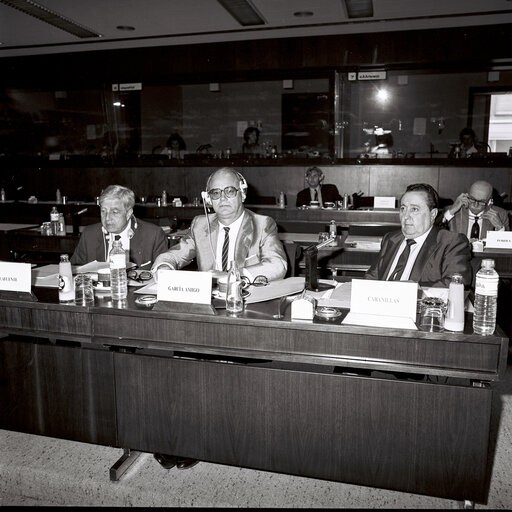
225, 250
402, 261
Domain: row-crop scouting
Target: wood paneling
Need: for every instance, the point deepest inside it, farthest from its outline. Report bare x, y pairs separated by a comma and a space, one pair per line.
321, 425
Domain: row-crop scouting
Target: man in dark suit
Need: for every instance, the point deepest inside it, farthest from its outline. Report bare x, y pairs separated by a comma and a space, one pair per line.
317, 192
420, 251
473, 214
143, 241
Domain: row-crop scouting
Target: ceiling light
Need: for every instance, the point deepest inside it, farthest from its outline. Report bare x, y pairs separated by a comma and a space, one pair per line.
51, 17
359, 8
243, 11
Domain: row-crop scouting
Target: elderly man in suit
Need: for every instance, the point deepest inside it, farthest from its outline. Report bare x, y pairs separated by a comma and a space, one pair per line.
142, 240
316, 191
232, 233
473, 213
420, 251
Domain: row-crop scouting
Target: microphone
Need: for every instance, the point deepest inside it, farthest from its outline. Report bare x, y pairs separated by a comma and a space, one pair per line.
81, 211
76, 221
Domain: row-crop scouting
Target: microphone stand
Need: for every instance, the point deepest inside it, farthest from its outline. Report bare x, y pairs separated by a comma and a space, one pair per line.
311, 254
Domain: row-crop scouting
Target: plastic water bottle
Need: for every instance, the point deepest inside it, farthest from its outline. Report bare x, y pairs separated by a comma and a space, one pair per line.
66, 284
234, 301
54, 220
454, 320
282, 201
486, 299
117, 263
62, 225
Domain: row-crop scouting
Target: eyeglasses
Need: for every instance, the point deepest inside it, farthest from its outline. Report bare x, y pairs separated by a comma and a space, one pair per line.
258, 281
140, 276
477, 201
229, 192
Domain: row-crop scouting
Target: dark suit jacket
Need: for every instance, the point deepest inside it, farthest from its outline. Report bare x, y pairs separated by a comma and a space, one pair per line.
329, 194
147, 243
459, 222
442, 255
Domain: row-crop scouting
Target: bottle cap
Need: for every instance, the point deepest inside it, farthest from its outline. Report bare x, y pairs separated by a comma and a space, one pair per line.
487, 263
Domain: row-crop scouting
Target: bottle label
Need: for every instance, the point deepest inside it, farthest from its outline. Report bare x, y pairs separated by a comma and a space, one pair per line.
487, 286
54, 217
117, 261
64, 283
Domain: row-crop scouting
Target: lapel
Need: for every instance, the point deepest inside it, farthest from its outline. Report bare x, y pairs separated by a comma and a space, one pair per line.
208, 243
244, 239
426, 251
464, 221
389, 255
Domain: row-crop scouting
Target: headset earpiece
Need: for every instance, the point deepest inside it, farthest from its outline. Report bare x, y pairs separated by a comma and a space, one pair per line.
206, 198
243, 186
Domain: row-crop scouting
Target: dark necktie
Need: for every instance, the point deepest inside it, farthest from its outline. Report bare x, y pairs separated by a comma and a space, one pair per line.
475, 229
225, 250
402, 261
315, 195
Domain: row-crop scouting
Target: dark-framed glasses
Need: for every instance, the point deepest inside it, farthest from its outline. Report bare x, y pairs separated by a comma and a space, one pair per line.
258, 281
141, 276
481, 202
229, 192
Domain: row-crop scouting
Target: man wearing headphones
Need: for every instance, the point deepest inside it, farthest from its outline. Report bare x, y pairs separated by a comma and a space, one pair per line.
143, 241
232, 233
317, 192
473, 213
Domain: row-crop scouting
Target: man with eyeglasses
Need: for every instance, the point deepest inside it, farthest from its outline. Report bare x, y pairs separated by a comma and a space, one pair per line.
231, 233
473, 214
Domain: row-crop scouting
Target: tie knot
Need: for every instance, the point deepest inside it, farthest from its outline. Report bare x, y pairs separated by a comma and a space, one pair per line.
226, 230
117, 237
410, 242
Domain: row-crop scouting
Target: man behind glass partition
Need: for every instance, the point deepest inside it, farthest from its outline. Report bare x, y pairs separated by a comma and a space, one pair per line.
316, 191
231, 233
143, 241
420, 251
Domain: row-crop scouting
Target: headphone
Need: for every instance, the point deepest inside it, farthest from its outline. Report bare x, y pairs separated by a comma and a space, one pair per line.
242, 183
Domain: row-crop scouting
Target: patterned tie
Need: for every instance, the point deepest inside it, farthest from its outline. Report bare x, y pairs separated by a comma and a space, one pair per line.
402, 261
225, 250
315, 195
475, 230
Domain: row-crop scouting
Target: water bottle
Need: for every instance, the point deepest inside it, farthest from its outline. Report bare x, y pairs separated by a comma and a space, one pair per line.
486, 298
118, 280
2, 195
333, 231
54, 220
66, 285
282, 202
454, 320
164, 198
234, 301
58, 196
62, 225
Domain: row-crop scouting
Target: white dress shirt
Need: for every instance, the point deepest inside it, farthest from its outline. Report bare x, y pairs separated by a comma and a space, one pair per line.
415, 250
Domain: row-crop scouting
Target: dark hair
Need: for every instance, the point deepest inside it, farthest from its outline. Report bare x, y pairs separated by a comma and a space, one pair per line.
250, 129
467, 131
316, 169
430, 192
177, 137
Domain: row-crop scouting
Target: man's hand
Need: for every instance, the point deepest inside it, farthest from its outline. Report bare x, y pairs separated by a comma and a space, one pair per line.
462, 200
492, 216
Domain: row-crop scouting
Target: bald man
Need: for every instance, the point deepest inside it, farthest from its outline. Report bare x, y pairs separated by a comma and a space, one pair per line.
473, 214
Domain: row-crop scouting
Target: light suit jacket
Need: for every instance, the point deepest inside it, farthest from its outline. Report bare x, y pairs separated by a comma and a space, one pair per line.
442, 255
257, 248
459, 222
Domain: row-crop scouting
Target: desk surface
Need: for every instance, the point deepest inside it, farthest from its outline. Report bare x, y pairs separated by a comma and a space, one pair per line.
9, 226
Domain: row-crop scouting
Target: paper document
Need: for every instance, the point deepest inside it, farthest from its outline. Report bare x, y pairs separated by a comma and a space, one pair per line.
368, 243
338, 297
46, 277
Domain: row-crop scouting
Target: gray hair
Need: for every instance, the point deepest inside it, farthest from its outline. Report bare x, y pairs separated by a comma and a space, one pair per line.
119, 192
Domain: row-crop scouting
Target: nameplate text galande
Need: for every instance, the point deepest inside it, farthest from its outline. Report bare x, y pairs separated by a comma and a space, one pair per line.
499, 240
383, 304
15, 277
184, 286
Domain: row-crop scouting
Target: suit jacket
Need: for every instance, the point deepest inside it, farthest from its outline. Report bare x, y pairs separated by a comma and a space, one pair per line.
147, 243
329, 194
257, 246
442, 255
459, 222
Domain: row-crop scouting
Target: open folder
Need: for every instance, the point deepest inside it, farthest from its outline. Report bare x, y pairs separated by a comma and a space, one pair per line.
383, 304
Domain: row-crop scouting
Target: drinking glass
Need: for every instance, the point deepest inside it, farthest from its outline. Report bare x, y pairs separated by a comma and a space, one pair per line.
84, 293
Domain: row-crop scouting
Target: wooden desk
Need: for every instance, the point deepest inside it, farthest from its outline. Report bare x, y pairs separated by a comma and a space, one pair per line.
256, 392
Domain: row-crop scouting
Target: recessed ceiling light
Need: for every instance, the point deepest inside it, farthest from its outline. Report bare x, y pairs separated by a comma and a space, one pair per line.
128, 28
303, 14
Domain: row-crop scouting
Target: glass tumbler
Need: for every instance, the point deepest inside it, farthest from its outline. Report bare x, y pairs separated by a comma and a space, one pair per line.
432, 314
84, 292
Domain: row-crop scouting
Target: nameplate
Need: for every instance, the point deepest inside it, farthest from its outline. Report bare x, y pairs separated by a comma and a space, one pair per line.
383, 303
15, 277
499, 240
184, 286
384, 202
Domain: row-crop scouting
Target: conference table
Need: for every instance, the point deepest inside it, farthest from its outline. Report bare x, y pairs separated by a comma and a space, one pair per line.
392, 408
